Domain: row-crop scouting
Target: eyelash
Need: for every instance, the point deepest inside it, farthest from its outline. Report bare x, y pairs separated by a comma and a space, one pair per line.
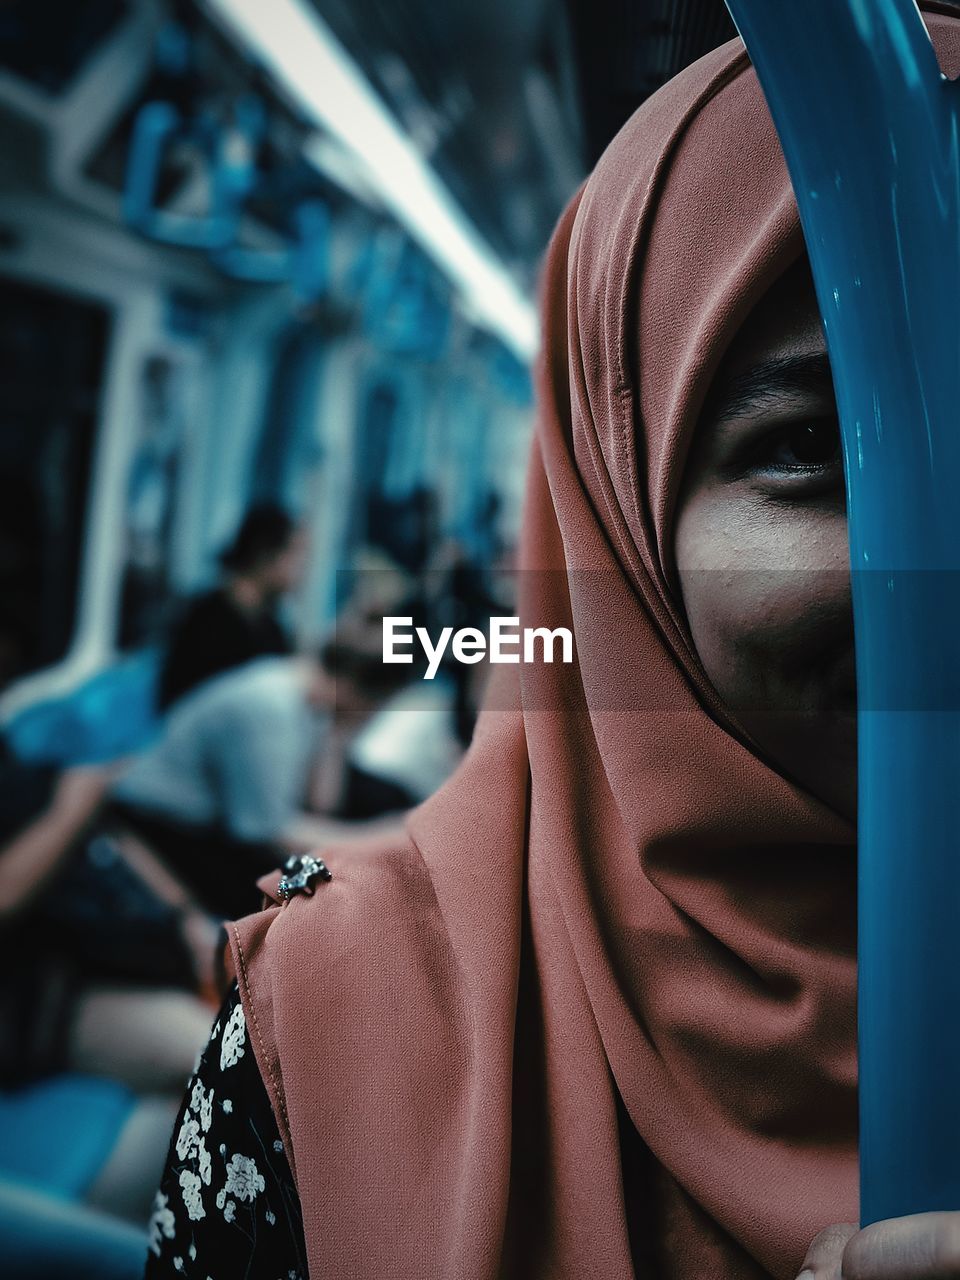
759, 457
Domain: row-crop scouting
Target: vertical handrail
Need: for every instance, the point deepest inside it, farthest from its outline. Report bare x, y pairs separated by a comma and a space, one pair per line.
868, 127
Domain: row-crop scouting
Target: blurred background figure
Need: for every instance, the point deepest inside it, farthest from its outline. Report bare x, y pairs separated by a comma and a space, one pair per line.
243, 756
100, 1022
238, 620
265, 348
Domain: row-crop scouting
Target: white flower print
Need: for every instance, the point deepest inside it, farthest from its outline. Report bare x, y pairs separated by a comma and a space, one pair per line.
190, 1188
278, 1146
234, 1038
204, 1166
223, 1150
196, 1097
244, 1179
178, 1263
192, 1252
188, 1137
201, 1102
162, 1223
221, 1197
227, 1106
270, 1217
229, 1210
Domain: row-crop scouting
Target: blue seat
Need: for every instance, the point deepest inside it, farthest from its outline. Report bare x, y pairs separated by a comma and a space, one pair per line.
112, 714
34, 1119
45, 1238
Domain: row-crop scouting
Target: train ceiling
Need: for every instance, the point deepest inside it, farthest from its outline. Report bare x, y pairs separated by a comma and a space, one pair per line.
509, 101
514, 100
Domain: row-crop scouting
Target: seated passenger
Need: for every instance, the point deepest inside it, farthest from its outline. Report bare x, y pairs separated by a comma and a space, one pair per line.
104, 1059
237, 621
219, 793
216, 793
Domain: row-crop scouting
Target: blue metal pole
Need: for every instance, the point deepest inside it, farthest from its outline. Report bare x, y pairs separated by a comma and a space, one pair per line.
869, 131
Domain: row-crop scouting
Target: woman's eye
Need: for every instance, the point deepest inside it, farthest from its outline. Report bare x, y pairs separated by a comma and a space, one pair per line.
797, 461
806, 445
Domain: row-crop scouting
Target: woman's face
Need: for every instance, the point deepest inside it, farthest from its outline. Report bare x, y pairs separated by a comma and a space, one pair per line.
761, 546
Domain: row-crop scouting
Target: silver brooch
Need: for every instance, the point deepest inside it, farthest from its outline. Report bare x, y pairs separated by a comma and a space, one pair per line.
299, 875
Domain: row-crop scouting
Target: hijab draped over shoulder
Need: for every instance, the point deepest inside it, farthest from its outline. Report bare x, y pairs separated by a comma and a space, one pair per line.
592, 1015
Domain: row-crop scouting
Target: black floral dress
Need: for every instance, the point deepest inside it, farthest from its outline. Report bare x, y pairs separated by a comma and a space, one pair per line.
227, 1208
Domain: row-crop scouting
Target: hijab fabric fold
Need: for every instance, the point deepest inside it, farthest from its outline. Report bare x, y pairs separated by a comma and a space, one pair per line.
592, 1013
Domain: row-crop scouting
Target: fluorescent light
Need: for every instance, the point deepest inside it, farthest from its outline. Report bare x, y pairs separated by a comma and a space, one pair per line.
298, 48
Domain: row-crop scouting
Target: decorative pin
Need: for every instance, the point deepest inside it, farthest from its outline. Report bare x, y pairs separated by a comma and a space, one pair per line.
300, 874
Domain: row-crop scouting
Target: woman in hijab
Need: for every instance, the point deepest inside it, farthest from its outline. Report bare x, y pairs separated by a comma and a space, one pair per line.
592, 1014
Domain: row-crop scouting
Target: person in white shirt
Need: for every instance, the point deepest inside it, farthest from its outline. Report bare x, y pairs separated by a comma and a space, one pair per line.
220, 792
235, 752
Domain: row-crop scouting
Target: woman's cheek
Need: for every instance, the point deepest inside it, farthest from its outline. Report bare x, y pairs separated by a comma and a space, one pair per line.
767, 595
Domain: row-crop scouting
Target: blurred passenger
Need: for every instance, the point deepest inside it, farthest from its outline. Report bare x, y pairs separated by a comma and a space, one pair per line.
104, 1061
219, 793
359, 688
237, 621
406, 528
216, 792
410, 742
56, 1010
380, 586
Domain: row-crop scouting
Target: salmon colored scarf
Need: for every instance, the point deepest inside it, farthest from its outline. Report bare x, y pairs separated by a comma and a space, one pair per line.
592, 1015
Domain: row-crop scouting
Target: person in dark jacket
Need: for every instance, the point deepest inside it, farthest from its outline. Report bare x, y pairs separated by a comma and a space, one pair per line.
237, 621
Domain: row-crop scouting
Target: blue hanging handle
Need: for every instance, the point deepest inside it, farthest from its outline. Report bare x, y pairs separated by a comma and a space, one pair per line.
869, 129
303, 262
229, 154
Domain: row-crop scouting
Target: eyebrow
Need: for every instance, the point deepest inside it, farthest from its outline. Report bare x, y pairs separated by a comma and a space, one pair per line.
764, 385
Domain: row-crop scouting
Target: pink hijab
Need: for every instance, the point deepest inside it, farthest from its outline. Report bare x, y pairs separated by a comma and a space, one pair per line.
603, 984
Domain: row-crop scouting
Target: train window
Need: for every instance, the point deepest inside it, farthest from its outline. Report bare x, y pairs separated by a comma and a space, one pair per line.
47, 431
